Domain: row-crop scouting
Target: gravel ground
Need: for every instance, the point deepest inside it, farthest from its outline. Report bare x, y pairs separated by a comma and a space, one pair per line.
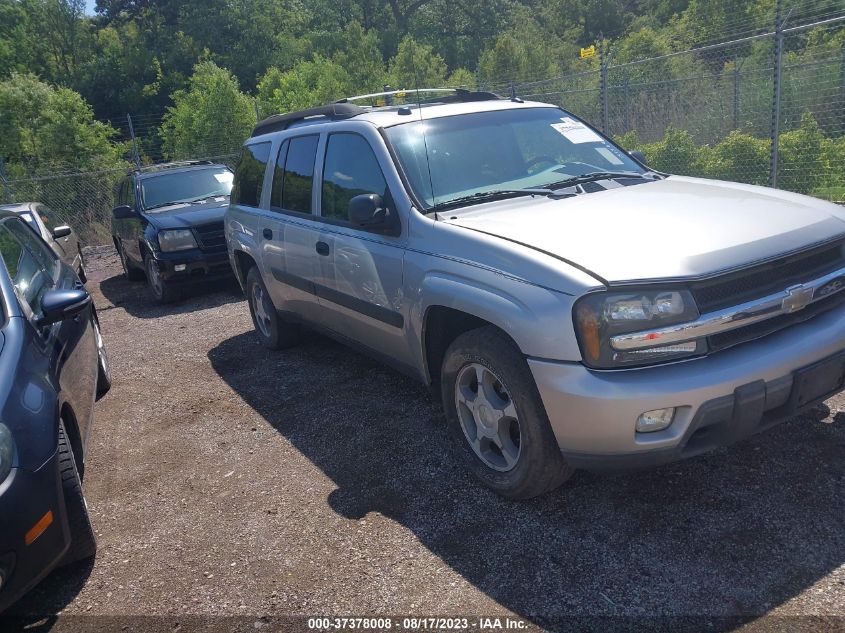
227, 480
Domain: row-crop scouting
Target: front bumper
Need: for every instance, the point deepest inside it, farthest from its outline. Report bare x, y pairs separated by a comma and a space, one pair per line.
25, 499
199, 266
719, 399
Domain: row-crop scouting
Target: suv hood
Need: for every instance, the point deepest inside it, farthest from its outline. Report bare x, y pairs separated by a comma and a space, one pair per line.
674, 228
186, 215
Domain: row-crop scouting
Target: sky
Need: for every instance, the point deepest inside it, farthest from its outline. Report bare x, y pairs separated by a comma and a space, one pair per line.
89, 6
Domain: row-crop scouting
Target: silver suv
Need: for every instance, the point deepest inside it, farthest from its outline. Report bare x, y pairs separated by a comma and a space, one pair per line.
571, 307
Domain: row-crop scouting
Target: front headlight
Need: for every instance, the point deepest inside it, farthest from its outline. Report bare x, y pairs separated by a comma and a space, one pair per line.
7, 450
176, 240
600, 316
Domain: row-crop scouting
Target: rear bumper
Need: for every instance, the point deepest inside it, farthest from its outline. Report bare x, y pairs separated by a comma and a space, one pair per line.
199, 266
719, 399
25, 499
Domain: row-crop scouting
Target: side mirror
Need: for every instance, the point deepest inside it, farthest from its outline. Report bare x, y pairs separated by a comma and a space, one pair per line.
61, 231
638, 156
124, 212
59, 305
368, 211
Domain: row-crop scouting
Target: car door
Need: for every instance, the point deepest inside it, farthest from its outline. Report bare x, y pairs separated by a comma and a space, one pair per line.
69, 345
362, 293
291, 232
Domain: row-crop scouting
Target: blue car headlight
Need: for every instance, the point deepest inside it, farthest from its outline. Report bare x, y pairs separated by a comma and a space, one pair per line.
7, 451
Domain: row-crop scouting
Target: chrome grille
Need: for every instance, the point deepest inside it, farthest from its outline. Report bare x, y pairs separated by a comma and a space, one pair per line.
759, 281
211, 237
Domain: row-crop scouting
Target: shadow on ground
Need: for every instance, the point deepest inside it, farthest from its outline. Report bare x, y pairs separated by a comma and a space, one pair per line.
57, 590
729, 535
135, 297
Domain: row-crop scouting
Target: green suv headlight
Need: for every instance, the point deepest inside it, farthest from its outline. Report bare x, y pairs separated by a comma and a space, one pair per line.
176, 240
7, 451
600, 316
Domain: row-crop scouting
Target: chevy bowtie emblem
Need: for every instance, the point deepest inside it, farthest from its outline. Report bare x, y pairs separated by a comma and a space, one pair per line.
797, 298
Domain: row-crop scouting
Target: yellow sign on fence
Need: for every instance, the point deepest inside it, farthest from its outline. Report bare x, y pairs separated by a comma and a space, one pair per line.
590, 51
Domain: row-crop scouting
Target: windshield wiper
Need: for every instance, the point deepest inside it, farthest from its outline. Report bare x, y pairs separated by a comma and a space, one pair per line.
204, 198
488, 196
593, 176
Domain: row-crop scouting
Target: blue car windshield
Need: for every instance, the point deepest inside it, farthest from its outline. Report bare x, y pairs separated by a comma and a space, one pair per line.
521, 148
193, 185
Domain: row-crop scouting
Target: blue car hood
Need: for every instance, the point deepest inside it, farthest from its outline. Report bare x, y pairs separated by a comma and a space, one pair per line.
188, 215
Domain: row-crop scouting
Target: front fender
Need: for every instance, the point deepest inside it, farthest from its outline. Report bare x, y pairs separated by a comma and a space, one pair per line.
536, 318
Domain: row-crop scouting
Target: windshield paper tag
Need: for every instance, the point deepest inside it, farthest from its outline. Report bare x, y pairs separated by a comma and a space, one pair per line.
576, 132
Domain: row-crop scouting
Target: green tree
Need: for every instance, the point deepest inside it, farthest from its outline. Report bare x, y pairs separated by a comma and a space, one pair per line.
307, 84
461, 78
416, 65
211, 118
519, 56
46, 129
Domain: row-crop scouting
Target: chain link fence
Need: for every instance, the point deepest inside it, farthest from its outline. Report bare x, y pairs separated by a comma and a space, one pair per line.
765, 109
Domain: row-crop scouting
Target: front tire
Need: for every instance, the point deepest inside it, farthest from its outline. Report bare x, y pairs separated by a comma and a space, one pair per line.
273, 331
162, 291
83, 543
496, 418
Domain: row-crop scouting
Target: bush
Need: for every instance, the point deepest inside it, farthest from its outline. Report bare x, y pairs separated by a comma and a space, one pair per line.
739, 157
676, 153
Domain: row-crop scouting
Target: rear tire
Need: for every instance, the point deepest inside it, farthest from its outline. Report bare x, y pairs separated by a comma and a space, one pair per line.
83, 543
273, 331
129, 271
496, 418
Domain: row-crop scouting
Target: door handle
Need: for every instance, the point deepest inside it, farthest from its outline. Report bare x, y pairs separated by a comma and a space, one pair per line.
268, 234
322, 248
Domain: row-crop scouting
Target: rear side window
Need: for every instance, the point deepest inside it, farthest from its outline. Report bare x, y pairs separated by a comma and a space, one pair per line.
249, 175
351, 169
299, 174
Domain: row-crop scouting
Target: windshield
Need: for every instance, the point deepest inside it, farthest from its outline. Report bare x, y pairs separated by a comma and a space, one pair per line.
27, 216
185, 186
527, 148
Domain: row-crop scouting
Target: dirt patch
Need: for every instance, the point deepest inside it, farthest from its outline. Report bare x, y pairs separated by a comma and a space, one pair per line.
227, 480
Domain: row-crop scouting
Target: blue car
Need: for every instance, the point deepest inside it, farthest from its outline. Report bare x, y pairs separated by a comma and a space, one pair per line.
53, 367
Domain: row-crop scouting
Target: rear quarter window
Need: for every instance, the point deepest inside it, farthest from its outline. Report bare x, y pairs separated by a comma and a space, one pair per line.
249, 175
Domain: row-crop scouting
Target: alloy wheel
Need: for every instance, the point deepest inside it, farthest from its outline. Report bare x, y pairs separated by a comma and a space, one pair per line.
488, 417
260, 310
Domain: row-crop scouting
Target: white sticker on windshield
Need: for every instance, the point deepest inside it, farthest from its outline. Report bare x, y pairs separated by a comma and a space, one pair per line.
609, 156
576, 132
226, 177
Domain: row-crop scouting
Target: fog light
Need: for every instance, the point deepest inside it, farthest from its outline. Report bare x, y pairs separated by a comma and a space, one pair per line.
180, 267
656, 420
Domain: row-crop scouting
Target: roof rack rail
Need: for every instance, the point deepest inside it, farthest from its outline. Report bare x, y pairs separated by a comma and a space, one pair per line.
176, 164
333, 111
453, 95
